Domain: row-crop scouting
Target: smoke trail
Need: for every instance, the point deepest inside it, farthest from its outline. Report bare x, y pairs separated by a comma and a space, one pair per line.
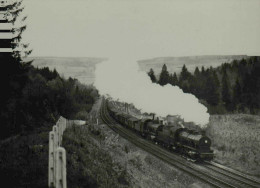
122, 80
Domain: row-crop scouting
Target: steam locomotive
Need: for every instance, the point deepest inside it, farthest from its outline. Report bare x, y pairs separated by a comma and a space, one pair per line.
189, 143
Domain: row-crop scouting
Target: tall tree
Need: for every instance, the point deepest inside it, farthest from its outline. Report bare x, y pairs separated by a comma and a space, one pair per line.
185, 74
237, 93
13, 74
152, 76
164, 76
225, 90
211, 90
174, 79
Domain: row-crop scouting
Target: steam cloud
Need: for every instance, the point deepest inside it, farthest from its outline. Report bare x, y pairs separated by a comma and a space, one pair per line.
122, 80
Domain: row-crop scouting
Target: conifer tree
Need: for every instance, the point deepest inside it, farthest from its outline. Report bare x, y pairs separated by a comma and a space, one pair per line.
152, 76
13, 74
185, 74
225, 90
237, 93
164, 76
211, 89
196, 72
174, 79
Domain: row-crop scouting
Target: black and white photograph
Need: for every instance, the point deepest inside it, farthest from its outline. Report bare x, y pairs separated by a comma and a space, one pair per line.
130, 93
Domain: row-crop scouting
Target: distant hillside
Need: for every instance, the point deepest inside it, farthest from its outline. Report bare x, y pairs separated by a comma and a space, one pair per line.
82, 68
174, 64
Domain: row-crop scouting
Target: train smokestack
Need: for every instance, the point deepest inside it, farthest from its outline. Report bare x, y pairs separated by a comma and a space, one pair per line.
153, 114
126, 108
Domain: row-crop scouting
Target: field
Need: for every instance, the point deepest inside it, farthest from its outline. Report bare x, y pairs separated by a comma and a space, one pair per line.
236, 141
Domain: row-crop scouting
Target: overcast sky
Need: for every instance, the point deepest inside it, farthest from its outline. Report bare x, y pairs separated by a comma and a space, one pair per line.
143, 29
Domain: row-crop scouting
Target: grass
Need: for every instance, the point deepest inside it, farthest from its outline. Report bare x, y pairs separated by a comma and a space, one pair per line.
98, 157
236, 141
24, 159
88, 165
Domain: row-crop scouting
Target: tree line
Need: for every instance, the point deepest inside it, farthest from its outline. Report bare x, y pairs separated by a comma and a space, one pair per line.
230, 88
34, 97
37, 96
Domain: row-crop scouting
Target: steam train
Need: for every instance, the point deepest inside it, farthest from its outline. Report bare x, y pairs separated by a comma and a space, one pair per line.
189, 143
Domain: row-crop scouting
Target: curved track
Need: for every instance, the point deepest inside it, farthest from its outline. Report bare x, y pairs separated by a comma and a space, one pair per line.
211, 173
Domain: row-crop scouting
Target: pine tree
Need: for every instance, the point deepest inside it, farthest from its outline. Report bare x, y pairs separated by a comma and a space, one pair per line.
174, 79
196, 72
152, 76
185, 74
13, 74
164, 76
237, 93
225, 90
211, 89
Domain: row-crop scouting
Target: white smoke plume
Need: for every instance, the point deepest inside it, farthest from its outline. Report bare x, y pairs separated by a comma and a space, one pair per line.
122, 80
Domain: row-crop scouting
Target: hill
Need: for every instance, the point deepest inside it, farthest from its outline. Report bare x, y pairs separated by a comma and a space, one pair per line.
82, 68
174, 64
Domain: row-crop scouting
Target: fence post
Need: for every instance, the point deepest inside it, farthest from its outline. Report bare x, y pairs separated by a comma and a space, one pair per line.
60, 179
51, 173
60, 132
63, 125
56, 132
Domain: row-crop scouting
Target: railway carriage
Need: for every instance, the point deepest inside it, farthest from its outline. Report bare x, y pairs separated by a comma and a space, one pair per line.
152, 130
132, 122
140, 127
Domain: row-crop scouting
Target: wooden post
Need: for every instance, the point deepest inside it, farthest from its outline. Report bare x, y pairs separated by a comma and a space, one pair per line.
56, 141
60, 179
64, 125
60, 132
51, 173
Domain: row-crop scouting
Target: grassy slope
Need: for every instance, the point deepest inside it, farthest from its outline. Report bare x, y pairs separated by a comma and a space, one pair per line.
236, 141
24, 159
98, 157
105, 159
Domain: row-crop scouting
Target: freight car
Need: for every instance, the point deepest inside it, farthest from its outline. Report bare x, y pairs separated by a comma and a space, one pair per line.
189, 143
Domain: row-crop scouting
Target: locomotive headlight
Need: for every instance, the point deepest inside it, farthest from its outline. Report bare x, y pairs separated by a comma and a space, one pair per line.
206, 141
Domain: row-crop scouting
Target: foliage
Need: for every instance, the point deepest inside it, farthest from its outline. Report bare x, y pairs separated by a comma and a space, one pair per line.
88, 164
164, 76
152, 76
231, 87
13, 74
24, 159
235, 141
44, 97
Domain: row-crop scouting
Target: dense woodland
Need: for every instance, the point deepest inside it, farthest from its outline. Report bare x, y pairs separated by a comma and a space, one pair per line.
230, 88
34, 96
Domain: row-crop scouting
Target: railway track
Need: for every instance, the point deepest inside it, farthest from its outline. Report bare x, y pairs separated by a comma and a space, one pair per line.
212, 173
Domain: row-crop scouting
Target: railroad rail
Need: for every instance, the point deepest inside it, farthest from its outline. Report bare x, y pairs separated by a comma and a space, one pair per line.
210, 173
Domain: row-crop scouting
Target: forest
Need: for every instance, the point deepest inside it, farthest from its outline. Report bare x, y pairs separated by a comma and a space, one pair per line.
230, 88
33, 97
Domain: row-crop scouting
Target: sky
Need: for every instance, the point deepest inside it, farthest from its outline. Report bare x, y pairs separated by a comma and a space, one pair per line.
142, 29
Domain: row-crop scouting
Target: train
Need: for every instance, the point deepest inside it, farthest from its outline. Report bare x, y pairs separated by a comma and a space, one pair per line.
191, 144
